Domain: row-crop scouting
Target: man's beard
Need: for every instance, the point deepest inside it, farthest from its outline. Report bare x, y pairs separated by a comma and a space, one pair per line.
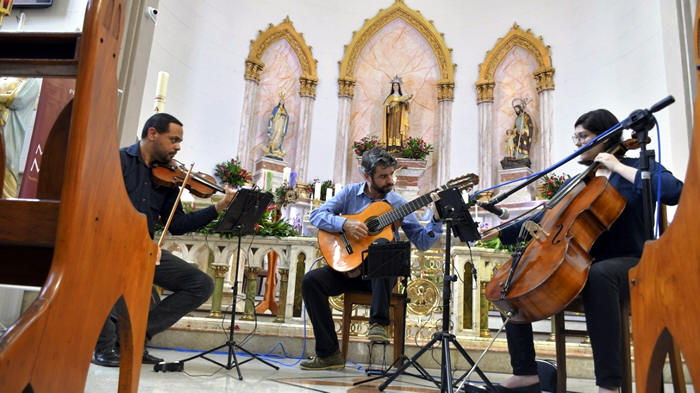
382, 190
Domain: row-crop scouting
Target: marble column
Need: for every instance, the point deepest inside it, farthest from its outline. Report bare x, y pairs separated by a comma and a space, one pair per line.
219, 275
284, 287
445, 136
246, 136
486, 148
340, 171
546, 120
301, 162
251, 288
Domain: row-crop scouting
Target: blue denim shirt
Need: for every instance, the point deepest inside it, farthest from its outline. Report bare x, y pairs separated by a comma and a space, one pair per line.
626, 235
352, 200
156, 201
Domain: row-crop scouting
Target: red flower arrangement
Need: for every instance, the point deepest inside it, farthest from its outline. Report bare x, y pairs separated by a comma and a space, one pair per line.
231, 173
364, 144
551, 184
416, 148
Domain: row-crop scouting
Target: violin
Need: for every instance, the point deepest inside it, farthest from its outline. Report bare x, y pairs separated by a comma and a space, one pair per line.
173, 174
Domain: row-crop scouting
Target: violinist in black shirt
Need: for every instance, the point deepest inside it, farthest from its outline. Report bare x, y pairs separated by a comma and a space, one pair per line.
190, 287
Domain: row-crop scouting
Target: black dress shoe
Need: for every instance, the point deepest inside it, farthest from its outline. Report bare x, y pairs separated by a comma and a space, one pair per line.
534, 388
150, 359
108, 358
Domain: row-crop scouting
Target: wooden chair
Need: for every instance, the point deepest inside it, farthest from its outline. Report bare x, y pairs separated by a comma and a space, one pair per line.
397, 304
81, 240
625, 312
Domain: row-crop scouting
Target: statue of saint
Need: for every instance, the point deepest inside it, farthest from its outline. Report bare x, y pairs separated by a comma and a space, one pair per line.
276, 130
395, 125
18, 99
519, 138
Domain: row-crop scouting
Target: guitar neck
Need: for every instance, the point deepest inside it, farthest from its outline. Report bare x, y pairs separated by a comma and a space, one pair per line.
405, 209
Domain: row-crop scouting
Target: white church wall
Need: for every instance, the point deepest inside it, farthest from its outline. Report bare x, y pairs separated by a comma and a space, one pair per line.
618, 55
606, 54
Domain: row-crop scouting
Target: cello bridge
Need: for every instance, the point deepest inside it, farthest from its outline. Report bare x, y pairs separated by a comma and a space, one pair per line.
535, 230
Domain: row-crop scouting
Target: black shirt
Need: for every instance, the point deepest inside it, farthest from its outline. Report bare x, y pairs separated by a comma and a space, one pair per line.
156, 201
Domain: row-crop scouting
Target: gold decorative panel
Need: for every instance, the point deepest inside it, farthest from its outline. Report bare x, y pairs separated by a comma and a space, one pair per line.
286, 31
526, 40
398, 10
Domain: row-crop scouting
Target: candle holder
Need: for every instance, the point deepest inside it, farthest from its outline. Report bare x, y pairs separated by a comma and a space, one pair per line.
5, 8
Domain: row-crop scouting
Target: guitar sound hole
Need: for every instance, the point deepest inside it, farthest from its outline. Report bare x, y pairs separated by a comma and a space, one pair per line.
372, 225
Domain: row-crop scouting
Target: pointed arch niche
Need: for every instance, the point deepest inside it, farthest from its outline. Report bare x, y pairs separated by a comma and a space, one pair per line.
396, 41
518, 55
291, 68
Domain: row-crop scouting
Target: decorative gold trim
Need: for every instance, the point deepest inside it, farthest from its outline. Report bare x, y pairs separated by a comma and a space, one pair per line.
253, 70
544, 75
426, 28
484, 92
346, 87
545, 79
446, 91
307, 87
286, 31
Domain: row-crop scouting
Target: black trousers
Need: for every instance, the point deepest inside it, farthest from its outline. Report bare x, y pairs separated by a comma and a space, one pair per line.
190, 286
606, 287
319, 284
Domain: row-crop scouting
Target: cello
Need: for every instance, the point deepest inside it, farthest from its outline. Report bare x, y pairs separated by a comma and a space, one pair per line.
551, 271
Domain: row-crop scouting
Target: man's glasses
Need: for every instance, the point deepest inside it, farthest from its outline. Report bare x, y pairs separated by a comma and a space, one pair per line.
580, 137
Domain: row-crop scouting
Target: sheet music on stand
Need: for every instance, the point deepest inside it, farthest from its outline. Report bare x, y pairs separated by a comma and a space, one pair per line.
245, 210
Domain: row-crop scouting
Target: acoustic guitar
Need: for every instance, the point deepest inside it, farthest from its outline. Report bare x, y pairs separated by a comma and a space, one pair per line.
344, 254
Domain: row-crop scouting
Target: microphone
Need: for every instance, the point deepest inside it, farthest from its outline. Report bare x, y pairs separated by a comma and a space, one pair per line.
501, 212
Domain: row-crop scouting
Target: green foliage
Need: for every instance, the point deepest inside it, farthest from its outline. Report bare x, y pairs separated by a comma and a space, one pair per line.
497, 245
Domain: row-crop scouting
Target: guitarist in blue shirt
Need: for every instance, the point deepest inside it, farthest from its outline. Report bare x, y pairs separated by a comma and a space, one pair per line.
319, 284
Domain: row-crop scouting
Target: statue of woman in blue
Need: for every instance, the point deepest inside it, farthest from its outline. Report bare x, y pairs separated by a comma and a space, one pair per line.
276, 130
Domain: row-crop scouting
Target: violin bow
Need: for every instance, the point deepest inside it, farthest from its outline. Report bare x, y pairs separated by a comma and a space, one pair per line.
177, 201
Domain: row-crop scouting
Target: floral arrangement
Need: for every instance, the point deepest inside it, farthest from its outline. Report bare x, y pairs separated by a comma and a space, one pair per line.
270, 225
231, 173
416, 149
364, 144
551, 184
284, 195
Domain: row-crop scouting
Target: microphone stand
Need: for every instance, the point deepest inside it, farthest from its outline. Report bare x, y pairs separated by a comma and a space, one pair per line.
640, 121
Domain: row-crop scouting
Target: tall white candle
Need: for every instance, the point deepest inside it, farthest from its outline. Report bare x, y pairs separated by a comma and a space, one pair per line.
161, 90
285, 174
317, 191
338, 187
329, 193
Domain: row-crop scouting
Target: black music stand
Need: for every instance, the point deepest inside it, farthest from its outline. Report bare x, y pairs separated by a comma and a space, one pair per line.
454, 213
388, 259
240, 218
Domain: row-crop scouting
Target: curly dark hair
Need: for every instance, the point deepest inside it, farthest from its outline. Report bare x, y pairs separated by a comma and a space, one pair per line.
374, 157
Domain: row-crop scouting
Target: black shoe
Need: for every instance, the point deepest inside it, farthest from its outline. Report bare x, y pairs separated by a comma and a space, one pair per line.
534, 388
108, 358
150, 359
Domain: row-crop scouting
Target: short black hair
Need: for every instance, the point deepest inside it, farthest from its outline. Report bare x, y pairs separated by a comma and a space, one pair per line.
161, 122
599, 121
376, 156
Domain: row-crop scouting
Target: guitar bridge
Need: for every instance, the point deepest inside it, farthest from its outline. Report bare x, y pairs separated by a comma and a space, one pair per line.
535, 230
